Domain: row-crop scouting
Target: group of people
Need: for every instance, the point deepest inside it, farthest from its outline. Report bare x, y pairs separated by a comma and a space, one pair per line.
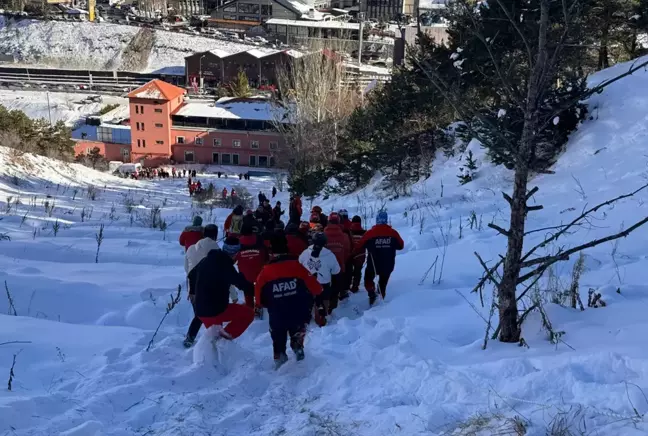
183, 173
297, 272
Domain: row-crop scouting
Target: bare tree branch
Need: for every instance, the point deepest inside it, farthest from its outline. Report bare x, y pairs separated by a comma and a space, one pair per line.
499, 229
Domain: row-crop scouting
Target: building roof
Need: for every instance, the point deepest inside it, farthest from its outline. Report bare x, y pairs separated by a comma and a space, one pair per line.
315, 24
158, 90
257, 109
259, 52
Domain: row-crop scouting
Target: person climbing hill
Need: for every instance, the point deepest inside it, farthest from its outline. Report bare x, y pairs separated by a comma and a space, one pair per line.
215, 274
251, 259
339, 243
191, 234
286, 289
358, 259
234, 222
381, 243
321, 263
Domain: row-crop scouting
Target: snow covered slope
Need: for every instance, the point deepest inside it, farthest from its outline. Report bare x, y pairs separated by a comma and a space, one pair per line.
96, 46
68, 108
412, 365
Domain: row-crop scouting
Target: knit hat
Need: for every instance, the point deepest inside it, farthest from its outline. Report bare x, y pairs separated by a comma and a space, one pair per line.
334, 218
231, 246
197, 221
356, 219
316, 209
344, 214
320, 239
278, 243
238, 210
382, 217
211, 231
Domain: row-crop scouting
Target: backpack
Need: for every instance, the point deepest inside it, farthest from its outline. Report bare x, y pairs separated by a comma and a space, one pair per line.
237, 224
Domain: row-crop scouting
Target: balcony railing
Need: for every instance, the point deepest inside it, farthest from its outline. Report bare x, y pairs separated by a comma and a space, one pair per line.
224, 124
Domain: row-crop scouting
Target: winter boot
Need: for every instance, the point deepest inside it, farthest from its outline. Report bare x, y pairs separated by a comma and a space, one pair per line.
372, 298
320, 316
344, 295
189, 341
258, 313
299, 354
355, 289
280, 359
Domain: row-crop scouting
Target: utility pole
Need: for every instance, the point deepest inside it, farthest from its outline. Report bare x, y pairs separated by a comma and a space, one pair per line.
49, 111
361, 16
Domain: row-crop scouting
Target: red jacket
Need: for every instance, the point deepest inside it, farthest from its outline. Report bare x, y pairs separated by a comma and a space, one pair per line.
286, 289
190, 235
297, 243
381, 242
339, 243
251, 258
357, 232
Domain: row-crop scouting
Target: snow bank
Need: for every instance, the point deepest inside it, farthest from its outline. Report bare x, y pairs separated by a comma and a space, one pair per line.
410, 365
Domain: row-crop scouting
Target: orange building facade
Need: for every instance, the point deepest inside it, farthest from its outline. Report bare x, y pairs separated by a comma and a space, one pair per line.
166, 128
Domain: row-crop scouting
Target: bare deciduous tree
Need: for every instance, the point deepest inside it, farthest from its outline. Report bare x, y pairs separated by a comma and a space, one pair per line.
544, 47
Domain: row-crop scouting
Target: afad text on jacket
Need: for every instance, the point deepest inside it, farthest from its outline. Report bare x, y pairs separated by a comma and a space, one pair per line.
381, 243
286, 289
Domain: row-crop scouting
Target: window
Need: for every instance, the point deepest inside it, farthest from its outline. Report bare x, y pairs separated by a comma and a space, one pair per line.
236, 143
180, 139
263, 161
143, 143
159, 125
217, 142
136, 109
141, 110
125, 153
215, 158
254, 145
252, 161
235, 159
272, 161
199, 141
273, 145
158, 111
189, 156
159, 142
226, 159
266, 9
139, 143
142, 126
137, 125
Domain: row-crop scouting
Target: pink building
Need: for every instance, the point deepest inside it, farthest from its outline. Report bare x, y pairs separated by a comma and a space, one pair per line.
166, 127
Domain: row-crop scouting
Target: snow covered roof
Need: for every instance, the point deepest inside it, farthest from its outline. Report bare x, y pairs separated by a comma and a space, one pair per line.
317, 24
260, 53
157, 90
257, 109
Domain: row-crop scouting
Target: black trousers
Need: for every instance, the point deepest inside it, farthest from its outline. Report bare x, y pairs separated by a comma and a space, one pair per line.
196, 323
370, 275
337, 285
280, 334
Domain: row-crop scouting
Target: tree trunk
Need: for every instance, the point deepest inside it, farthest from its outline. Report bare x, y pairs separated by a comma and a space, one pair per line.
506, 291
603, 60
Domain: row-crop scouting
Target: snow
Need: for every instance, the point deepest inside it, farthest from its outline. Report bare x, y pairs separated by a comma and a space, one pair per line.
152, 93
98, 46
556, 120
501, 113
224, 108
411, 365
66, 107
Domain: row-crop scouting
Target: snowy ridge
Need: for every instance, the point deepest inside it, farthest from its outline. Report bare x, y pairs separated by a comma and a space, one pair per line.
97, 46
411, 365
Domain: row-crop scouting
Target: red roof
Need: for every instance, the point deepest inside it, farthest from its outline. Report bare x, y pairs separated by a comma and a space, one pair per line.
157, 89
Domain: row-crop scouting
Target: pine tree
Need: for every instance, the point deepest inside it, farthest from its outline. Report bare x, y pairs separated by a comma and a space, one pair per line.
240, 87
467, 172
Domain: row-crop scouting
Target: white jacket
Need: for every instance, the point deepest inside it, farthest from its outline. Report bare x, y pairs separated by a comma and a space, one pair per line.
198, 252
325, 266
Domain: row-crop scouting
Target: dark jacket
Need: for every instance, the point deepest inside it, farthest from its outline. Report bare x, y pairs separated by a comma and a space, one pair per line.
252, 256
251, 221
295, 210
276, 213
214, 276
286, 289
381, 242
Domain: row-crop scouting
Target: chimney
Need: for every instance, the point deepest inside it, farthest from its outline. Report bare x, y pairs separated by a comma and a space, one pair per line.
311, 13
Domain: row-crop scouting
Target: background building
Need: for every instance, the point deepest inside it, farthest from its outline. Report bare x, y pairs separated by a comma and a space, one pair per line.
166, 127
